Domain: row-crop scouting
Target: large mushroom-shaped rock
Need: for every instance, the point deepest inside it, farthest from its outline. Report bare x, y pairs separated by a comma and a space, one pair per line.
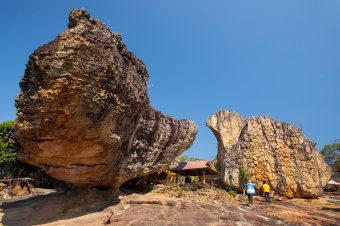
268, 150
83, 113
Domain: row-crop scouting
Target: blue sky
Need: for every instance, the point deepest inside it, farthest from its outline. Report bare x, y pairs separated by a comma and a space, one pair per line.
279, 58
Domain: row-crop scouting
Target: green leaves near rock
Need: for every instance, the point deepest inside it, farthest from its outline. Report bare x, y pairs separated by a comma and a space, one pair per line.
331, 152
7, 153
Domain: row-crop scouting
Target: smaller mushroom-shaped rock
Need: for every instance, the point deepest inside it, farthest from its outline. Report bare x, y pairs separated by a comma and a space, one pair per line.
271, 151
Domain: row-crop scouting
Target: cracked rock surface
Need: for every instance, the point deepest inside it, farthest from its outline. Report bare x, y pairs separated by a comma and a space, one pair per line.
83, 112
270, 150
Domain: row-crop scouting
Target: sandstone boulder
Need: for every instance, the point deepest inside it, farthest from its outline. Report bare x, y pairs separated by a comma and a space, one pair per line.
269, 150
83, 113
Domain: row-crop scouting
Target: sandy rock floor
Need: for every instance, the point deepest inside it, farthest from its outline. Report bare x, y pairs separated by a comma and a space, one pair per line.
165, 205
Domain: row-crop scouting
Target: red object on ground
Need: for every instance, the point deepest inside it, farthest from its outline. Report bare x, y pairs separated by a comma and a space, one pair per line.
107, 220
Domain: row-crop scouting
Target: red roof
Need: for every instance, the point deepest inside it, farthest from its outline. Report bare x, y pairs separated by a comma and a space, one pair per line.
194, 167
202, 164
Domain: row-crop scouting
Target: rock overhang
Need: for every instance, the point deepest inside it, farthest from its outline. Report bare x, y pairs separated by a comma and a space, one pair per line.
83, 112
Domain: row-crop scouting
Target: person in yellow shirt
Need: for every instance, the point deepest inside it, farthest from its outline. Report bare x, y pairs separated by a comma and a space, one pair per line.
266, 191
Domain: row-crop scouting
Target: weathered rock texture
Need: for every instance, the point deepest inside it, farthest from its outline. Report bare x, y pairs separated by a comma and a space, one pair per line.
270, 150
83, 113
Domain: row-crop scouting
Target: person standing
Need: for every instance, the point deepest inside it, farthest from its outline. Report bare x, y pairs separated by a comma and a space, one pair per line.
250, 189
266, 191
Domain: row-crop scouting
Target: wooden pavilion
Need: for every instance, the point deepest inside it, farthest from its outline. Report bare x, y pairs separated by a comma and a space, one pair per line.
195, 168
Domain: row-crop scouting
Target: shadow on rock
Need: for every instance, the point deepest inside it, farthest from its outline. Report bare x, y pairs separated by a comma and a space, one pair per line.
129, 188
332, 209
57, 206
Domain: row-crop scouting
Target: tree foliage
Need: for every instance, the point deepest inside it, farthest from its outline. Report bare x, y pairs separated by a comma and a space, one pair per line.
7, 153
20, 169
185, 158
194, 159
331, 152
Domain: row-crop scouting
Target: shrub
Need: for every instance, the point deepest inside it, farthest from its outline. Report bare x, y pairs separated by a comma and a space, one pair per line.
232, 192
180, 192
195, 179
244, 174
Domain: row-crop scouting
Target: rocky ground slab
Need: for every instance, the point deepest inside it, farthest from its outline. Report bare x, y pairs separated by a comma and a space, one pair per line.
165, 205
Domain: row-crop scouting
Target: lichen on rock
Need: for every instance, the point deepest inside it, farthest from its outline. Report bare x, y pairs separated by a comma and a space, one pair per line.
83, 112
269, 150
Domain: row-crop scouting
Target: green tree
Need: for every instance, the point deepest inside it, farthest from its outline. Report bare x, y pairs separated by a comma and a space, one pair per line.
20, 169
331, 152
7, 153
184, 158
194, 159
337, 162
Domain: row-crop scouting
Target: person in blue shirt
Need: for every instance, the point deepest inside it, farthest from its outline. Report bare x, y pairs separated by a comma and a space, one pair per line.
250, 189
